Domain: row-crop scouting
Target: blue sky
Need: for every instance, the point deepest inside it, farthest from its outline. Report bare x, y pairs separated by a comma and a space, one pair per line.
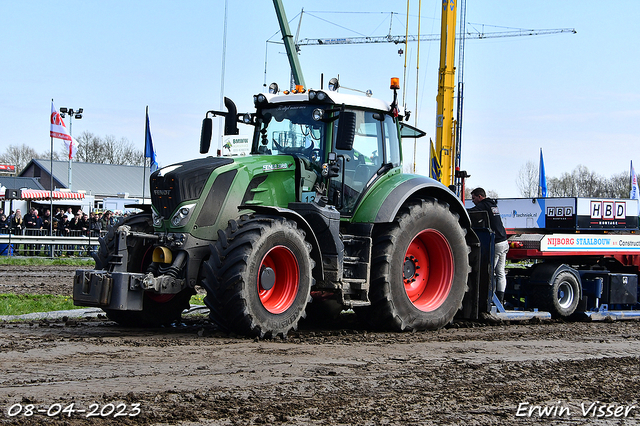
576, 96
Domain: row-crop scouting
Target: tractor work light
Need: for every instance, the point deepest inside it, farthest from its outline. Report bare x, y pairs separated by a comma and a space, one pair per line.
273, 88
318, 114
246, 118
395, 83
333, 84
260, 99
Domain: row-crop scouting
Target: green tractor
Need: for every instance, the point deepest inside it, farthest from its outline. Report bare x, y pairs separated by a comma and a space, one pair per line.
314, 216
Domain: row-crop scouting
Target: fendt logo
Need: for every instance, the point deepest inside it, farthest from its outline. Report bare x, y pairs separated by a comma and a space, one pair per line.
161, 191
608, 210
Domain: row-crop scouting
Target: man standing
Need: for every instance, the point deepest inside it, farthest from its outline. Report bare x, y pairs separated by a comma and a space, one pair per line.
482, 203
33, 224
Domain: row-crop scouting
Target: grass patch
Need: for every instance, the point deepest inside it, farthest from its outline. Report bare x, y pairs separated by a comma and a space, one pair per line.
19, 304
28, 261
197, 299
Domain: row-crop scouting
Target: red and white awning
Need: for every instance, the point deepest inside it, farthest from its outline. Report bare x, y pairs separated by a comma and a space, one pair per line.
43, 194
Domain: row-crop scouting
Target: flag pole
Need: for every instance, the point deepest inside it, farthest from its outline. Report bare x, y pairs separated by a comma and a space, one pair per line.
51, 190
144, 161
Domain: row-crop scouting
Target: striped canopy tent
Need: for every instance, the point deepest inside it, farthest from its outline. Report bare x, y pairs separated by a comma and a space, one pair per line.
43, 194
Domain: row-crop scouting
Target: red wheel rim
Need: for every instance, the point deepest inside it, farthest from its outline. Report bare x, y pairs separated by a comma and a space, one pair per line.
428, 270
278, 279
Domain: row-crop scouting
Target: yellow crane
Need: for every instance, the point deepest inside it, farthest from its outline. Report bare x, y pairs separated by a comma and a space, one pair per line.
445, 154
445, 136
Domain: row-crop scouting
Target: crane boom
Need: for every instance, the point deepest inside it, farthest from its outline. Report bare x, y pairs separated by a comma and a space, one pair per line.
398, 39
287, 38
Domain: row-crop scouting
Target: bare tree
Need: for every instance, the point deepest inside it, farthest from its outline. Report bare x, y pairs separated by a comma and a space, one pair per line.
108, 150
619, 186
582, 182
527, 180
19, 156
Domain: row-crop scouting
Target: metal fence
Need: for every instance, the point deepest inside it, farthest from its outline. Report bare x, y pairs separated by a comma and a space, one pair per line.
38, 242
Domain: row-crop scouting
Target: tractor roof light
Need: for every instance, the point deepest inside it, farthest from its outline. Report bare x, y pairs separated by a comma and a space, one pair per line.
334, 84
260, 99
273, 88
321, 96
312, 94
299, 89
395, 83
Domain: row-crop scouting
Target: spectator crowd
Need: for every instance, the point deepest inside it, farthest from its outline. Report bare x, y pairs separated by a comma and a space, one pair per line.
63, 223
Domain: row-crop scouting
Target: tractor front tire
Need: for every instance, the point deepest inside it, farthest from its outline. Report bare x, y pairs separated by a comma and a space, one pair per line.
420, 268
259, 276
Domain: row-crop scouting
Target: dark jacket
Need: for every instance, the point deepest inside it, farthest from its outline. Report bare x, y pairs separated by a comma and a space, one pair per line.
491, 206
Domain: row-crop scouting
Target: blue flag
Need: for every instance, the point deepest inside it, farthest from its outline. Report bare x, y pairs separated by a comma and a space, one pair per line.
149, 152
542, 185
635, 192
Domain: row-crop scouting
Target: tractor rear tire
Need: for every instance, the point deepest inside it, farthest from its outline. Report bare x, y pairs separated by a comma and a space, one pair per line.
157, 309
259, 276
420, 268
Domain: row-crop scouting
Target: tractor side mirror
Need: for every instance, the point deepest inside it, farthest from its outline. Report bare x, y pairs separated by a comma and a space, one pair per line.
231, 118
205, 135
346, 130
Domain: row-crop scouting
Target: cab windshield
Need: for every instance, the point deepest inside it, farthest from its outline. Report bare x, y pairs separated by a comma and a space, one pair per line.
289, 130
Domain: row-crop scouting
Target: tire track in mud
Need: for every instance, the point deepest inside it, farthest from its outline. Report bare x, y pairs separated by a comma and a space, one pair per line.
471, 373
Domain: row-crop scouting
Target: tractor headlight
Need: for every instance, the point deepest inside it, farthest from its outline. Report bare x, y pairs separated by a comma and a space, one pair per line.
181, 217
157, 219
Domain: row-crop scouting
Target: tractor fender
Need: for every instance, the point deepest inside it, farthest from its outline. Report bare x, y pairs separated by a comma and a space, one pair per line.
303, 224
400, 190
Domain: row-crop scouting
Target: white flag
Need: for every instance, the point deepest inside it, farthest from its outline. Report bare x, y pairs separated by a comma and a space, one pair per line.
59, 130
72, 147
635, 193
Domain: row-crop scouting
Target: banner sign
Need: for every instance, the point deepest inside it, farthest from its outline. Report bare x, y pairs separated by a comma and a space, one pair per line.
590, 243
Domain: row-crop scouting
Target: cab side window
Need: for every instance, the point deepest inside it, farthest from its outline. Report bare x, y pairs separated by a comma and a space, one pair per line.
364, 160
392, 146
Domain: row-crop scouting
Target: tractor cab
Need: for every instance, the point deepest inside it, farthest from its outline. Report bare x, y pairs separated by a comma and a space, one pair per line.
341, 144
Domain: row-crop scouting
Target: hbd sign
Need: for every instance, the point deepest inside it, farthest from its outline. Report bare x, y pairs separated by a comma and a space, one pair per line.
608, 210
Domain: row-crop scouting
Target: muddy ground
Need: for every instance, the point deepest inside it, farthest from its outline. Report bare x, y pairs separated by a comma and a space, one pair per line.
468, 373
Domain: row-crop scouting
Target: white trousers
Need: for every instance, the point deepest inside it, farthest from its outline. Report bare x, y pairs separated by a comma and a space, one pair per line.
499, 262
